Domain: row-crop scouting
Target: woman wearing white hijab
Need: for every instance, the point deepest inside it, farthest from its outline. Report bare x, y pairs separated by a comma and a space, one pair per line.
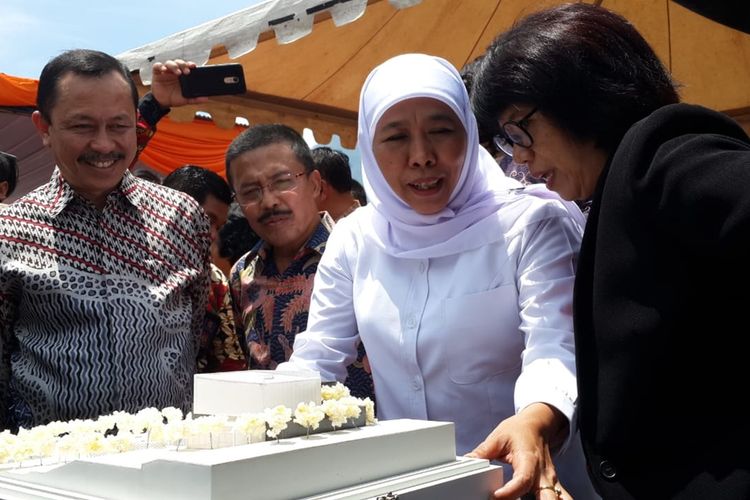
457, 281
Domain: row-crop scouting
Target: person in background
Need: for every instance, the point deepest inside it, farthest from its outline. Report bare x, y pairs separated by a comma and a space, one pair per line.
274, 179
207, 188
358, 192
336, 182
458, 283
147, 175
103, 277
235, 239
220, 348
337, 199
582, 99
8, 176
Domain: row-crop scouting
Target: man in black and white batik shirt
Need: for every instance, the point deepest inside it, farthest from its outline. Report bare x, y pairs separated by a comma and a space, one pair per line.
103, 277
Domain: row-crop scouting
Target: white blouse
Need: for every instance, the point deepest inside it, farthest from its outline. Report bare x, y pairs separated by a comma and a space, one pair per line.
470, 338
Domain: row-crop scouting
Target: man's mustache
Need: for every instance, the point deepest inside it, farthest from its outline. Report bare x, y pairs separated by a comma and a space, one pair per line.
96, 157
272, 213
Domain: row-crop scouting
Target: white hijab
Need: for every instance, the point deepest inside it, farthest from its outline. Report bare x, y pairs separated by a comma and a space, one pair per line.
470, 219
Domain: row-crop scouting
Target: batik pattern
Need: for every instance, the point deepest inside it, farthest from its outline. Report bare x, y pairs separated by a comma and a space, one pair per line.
100, 310
271, 308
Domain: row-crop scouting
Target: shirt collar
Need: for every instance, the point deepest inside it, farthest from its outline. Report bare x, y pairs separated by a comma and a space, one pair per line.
59, 193
315, 243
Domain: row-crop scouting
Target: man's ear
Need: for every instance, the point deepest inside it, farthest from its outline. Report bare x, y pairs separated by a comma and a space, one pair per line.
317, 184
324, 189
41, 126
3, 190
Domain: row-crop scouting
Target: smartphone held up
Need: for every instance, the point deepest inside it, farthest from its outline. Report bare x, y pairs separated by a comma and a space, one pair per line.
212, 80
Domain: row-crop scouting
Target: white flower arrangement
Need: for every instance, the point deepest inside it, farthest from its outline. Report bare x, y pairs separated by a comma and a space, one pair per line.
120, 431
309, 416
277, 419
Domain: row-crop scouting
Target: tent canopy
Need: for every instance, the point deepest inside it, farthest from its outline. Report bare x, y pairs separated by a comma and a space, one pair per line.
314, 82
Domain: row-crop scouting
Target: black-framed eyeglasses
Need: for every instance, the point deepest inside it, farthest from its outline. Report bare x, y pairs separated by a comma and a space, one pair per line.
252, 195
512, 133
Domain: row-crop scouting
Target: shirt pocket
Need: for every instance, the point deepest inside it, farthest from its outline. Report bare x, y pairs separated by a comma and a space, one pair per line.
485, 330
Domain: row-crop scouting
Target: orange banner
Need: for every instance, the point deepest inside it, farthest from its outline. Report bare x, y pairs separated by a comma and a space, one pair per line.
199, 142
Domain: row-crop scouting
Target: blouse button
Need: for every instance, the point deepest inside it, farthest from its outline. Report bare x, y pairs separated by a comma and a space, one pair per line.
607, 470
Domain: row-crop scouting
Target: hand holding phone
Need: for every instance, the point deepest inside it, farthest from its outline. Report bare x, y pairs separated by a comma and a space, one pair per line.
217, 79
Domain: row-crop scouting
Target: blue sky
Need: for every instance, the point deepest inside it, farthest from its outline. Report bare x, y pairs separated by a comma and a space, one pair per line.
34, 31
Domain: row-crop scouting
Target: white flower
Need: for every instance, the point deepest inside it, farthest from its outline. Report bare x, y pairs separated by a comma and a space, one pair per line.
172, 414
210, 424
40, 440
252, 425
309, 415
79, 426
336, 391
92, 443
174, 432
105, 423
7, 445
369, 412
148, 418
58, 428
352, 407
22, 450
336, 412
66, 446
127, 422
277, 419
122, 442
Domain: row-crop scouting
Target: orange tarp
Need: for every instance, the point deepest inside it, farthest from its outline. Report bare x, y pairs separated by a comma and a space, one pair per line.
15, 91
199, 142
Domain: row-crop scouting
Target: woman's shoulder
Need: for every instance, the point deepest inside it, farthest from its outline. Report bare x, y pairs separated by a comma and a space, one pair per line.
534, 204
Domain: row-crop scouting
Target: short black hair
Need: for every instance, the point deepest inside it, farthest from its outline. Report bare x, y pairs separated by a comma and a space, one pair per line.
236, 237
258, 136
83, 62
199, 182
584, 67
334, 168
358, 191
8, 171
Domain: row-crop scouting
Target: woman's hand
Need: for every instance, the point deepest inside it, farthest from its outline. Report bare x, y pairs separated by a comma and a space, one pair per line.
524, 441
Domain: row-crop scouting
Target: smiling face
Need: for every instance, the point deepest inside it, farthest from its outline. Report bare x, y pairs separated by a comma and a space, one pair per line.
420, 145
91, 132
568, 166
284, 219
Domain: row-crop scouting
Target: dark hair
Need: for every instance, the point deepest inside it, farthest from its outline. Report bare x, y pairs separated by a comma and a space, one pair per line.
334, 168
147, 175
8, 171
468, 75
236, 237
258, 136
83, 62
583, 66
358, 191
198, 182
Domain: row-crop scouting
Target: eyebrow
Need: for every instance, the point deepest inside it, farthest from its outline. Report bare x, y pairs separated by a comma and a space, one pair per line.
436, 117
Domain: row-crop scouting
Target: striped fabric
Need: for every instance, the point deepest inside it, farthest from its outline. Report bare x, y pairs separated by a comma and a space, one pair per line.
99, 310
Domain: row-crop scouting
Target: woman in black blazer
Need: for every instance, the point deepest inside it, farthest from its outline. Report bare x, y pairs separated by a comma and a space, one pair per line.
663, 283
